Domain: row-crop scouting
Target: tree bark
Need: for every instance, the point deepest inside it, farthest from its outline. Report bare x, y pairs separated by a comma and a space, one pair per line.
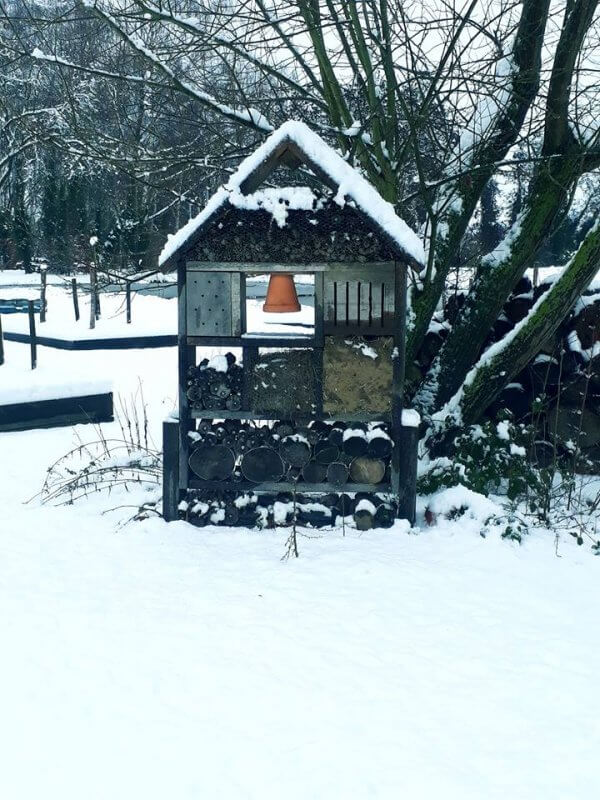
508, 357
497, 277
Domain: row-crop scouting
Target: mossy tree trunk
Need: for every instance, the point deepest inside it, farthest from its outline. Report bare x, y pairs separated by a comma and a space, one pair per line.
508, 357
496, 279
564, 161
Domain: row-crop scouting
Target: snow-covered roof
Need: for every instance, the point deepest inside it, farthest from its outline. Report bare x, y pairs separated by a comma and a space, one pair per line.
350, 184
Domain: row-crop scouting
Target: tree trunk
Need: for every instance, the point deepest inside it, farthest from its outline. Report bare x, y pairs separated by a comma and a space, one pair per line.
505, 359
497, 277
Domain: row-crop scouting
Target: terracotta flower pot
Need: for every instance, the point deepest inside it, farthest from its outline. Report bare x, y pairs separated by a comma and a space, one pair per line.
281, 294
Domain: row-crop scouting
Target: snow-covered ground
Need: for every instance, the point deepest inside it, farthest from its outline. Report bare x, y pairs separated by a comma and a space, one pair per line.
149, 660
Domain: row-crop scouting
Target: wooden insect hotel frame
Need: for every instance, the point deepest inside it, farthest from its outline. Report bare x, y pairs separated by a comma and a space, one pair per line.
300, 435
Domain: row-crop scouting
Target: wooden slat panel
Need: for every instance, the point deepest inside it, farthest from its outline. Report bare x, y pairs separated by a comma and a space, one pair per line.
376, 318
329, 300
341, 303
364, 304
362, 272
352, 294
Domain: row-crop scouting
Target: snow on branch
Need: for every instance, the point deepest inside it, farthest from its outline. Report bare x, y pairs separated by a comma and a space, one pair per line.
249, 116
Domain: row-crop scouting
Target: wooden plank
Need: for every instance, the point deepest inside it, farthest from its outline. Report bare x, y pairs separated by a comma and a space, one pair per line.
389, 300
170, 469
117, 343
353, 269
250, 340
329, 297
364, 304
249, 362
78, 410
407, 490
286, 486
376, 304
262, 171
398, 457
199, 413
243, 327
362, 272
319, 309
186, 356
352, 299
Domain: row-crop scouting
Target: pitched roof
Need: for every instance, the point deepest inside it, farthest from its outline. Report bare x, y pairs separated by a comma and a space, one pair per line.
294, 143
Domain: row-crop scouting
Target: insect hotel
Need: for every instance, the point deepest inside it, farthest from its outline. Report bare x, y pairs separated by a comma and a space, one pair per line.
291, 410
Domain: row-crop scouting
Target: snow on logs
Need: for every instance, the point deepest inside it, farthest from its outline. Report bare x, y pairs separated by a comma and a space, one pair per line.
216, 383
247, 509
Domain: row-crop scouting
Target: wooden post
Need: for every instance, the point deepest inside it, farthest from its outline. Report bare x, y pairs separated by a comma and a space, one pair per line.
408, 449
75, 298
43, 277
32, 336
1, 343
128, 301
187, 356
92, 296
319, 341
250, 360
398, 377
170, 469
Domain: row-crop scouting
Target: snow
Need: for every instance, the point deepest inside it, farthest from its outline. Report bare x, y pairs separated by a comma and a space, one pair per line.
478, 507
502, 429
410, 418
377, 433
278, 201
153, 660
218, 363
366, 505
21, 384
351, 185
351, 433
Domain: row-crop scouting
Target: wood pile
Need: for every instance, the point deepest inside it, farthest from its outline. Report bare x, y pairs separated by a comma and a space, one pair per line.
247, 509
216, 384
332, 453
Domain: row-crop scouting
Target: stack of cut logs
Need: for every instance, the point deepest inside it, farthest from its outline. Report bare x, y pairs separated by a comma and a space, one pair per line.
245, 509
319, 458
328, 454
216, 384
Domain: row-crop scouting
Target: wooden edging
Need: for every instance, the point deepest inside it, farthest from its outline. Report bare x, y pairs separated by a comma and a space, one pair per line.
119, 343
58, 412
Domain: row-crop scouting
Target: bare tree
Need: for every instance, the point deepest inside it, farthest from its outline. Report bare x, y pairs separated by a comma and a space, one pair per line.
433, 102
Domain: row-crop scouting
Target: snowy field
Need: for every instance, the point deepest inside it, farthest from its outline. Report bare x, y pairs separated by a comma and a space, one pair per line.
149, 660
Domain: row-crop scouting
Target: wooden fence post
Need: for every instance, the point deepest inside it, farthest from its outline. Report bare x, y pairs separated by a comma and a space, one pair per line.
43, 306
75, 298
92, 296
128, 300
32, 335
